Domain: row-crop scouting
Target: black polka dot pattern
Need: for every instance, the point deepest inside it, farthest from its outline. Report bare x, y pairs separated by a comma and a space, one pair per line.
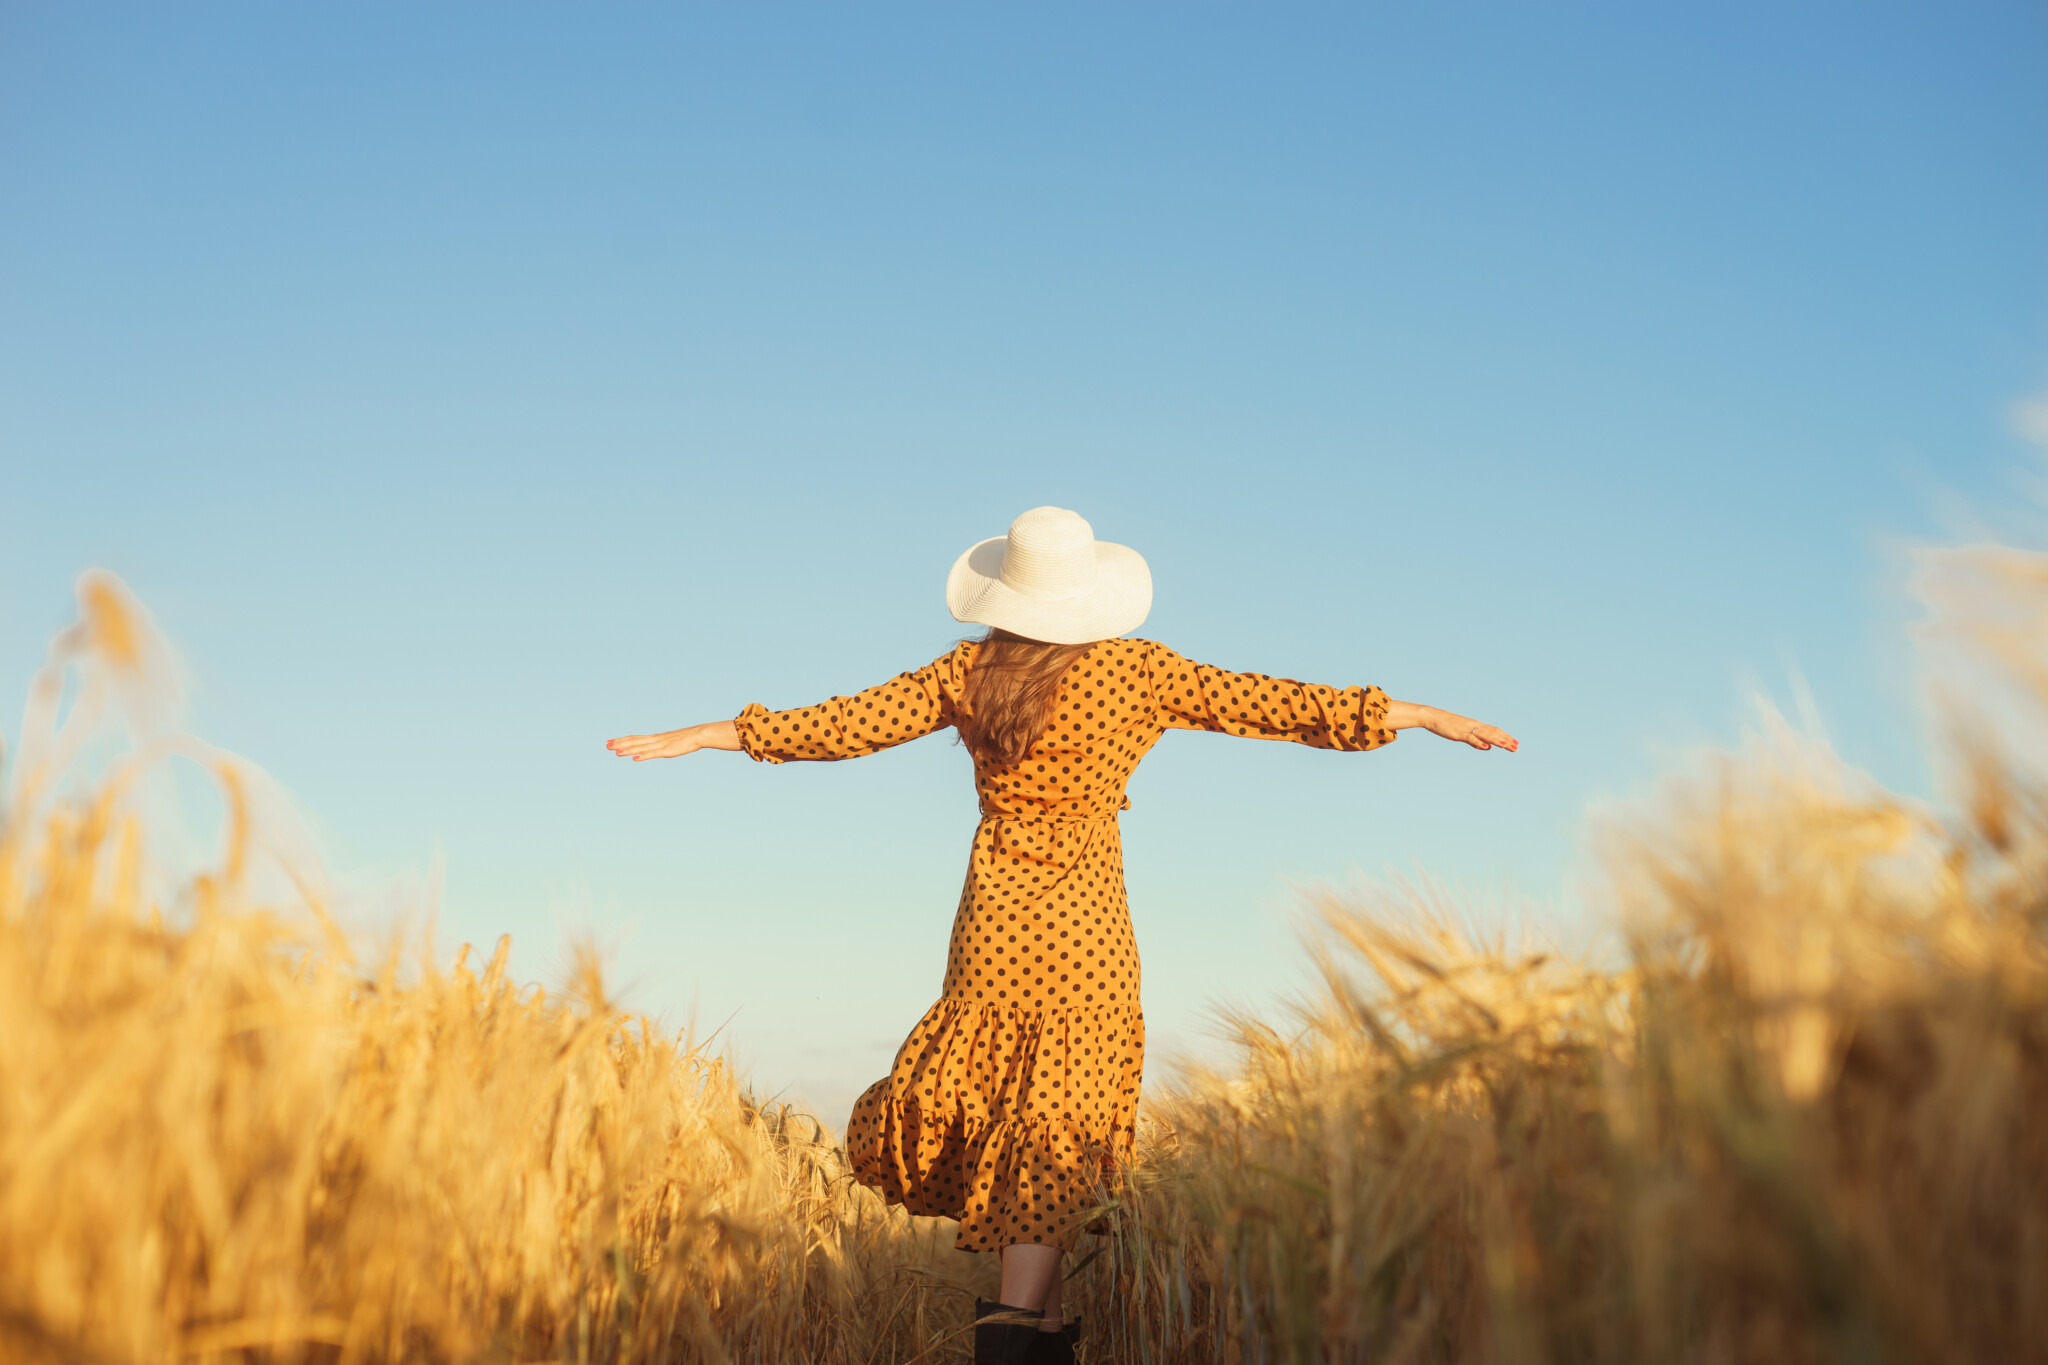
1018, 1087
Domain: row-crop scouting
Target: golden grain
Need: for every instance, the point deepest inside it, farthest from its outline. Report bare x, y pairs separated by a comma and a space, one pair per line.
1802, 1118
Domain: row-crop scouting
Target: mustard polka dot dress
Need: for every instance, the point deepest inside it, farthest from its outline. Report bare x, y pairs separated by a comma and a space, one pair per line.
1018, 1090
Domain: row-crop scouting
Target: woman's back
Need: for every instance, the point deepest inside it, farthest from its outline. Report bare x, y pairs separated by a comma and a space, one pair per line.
1111, 707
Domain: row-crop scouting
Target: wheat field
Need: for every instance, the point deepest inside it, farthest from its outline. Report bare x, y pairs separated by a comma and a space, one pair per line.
1798, 1115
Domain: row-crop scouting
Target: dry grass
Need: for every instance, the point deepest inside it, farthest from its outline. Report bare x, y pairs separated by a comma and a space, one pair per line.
1805, 1119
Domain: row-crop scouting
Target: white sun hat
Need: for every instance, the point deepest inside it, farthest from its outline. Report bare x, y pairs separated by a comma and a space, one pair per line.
1050, 579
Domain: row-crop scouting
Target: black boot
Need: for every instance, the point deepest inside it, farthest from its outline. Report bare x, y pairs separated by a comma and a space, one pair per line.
1056, 1348
1002, 1343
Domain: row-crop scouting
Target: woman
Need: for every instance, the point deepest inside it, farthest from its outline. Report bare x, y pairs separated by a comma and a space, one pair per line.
1018, 1090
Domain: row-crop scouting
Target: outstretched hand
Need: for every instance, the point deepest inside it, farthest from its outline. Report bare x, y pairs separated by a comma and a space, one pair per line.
1466, 730
1407, 715
718, 734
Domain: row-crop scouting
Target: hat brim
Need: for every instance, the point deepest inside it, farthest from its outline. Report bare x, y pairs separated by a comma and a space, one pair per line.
1116, 605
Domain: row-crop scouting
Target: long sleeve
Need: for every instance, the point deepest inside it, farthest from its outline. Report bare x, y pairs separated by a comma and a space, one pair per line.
1192, 696
906, 707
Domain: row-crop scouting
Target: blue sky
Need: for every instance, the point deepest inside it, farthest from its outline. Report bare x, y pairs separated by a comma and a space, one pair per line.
463, 385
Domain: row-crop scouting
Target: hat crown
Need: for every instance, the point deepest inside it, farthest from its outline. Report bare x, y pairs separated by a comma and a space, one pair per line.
1050, 579
1050, 555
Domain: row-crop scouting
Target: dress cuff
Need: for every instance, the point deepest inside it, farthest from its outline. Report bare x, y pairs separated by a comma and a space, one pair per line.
1373, 731
750, 738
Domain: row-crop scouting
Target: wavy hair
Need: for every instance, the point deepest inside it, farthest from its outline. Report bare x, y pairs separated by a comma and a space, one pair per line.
1012, 684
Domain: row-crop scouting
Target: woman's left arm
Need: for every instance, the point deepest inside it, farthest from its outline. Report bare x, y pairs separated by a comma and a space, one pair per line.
1408, 715
905, 707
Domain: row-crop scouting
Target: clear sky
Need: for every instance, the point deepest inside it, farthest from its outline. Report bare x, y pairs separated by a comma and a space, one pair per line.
464, 385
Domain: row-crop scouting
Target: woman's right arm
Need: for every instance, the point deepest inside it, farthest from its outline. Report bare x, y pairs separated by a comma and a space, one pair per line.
716, 734
1198, 697
1408, 715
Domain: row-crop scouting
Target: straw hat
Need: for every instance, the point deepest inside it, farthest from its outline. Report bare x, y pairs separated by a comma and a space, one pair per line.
1050, 579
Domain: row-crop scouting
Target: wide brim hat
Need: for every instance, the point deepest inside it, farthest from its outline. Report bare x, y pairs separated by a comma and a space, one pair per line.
1050, 579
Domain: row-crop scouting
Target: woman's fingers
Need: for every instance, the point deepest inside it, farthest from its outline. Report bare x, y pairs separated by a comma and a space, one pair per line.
1481, 736
1465, 730
640, 748
1491, 736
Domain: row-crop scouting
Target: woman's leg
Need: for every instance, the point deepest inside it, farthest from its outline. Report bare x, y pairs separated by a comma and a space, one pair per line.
1051, 1322
1031, 1275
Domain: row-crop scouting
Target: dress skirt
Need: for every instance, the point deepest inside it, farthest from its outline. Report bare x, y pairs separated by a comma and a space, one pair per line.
1013, 1099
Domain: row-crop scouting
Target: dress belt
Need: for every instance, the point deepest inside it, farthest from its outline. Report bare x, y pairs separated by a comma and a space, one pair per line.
997, 842
1046, 819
